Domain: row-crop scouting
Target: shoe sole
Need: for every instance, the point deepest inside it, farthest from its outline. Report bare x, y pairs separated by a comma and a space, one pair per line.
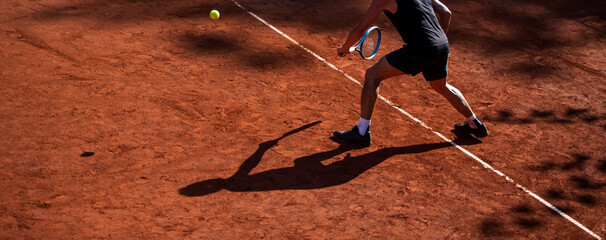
481, 136
354, 144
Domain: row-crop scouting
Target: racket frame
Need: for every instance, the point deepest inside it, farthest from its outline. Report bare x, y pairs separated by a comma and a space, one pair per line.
358, 46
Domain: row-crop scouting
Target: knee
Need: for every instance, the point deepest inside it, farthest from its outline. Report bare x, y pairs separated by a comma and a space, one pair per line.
439, 87
371, 77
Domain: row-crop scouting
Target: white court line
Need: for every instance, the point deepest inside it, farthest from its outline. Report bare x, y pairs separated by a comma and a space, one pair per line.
474, 157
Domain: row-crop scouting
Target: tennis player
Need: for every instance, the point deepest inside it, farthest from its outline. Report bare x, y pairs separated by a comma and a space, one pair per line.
423, 25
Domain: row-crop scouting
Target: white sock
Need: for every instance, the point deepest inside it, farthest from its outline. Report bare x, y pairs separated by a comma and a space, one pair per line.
363, 124
470, 121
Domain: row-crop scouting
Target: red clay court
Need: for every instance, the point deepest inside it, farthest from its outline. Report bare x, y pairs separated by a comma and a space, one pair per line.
125, 118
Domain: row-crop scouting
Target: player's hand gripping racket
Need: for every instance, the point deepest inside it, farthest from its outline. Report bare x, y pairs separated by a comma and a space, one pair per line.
368, 46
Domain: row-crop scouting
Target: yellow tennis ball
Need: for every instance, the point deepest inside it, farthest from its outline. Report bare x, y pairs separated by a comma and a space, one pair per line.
214, 14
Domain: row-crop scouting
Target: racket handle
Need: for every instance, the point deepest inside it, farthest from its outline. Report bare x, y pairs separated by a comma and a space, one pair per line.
351, 49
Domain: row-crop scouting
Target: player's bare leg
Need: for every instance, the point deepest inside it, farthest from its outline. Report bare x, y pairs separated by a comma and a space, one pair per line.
456, 99
375, 74
360, 134
453, 95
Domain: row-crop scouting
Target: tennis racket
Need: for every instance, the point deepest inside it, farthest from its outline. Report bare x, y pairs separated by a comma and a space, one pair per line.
368, 46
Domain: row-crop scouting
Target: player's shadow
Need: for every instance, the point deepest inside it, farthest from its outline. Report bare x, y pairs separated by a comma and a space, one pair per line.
308, 172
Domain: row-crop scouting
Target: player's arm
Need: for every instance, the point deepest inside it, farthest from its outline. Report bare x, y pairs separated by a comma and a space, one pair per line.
376, 7
443, 14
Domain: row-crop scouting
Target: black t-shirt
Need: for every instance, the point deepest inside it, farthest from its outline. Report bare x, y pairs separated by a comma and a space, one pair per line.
418, 25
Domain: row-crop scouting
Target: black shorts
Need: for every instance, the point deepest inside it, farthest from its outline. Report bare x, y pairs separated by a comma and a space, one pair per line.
433, 67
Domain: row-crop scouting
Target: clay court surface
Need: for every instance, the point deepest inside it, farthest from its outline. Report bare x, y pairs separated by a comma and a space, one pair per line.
124, 118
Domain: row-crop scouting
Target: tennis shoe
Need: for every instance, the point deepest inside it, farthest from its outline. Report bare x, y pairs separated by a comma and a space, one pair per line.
353, 136
479, 132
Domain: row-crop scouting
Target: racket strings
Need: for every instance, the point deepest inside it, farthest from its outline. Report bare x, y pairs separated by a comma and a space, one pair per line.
369, 45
